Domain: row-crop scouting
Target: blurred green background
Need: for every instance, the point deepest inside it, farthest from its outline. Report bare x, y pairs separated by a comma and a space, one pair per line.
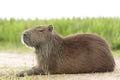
11, 30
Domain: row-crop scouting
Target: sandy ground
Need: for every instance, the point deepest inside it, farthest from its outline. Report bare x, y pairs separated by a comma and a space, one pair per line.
12, 59
9, 61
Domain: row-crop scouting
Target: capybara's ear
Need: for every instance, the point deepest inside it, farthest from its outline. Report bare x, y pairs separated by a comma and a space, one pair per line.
50, 28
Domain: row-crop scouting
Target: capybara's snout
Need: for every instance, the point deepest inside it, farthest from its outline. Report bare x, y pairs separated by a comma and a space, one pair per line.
25, 38
25, 35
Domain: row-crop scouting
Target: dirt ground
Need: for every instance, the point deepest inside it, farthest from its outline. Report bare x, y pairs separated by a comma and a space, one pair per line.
9, 62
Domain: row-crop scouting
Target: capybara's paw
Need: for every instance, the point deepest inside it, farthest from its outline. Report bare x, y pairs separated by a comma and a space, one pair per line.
20, 74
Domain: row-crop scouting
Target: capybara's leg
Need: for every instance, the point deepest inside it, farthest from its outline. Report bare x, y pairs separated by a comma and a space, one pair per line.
33, 71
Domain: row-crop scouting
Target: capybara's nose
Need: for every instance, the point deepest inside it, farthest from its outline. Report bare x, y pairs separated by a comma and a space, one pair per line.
24, 35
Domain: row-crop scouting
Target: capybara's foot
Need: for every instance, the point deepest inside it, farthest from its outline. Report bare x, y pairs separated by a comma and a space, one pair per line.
20, 74
33, 71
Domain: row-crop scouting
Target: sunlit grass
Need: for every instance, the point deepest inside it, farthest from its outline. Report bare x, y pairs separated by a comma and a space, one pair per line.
13, 48
116, 53
108, 28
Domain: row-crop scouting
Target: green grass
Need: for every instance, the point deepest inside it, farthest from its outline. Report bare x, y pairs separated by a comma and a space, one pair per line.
13, 48
116, 53
109, 28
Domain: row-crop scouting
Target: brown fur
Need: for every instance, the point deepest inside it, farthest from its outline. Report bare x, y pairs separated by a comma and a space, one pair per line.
80, 53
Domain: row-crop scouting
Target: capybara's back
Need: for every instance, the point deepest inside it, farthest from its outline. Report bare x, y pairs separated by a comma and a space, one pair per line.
86, 53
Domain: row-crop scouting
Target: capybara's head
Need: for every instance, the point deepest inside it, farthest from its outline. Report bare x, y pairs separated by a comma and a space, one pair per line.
37, 36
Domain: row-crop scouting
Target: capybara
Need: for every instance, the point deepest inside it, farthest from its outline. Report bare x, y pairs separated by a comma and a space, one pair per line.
79, 53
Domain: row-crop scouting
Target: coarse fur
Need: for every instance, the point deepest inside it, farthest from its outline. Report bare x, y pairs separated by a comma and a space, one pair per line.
80, 53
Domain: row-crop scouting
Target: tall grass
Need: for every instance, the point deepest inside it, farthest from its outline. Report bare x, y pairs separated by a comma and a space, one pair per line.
108, 28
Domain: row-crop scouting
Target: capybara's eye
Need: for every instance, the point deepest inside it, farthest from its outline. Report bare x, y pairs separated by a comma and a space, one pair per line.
40, 30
